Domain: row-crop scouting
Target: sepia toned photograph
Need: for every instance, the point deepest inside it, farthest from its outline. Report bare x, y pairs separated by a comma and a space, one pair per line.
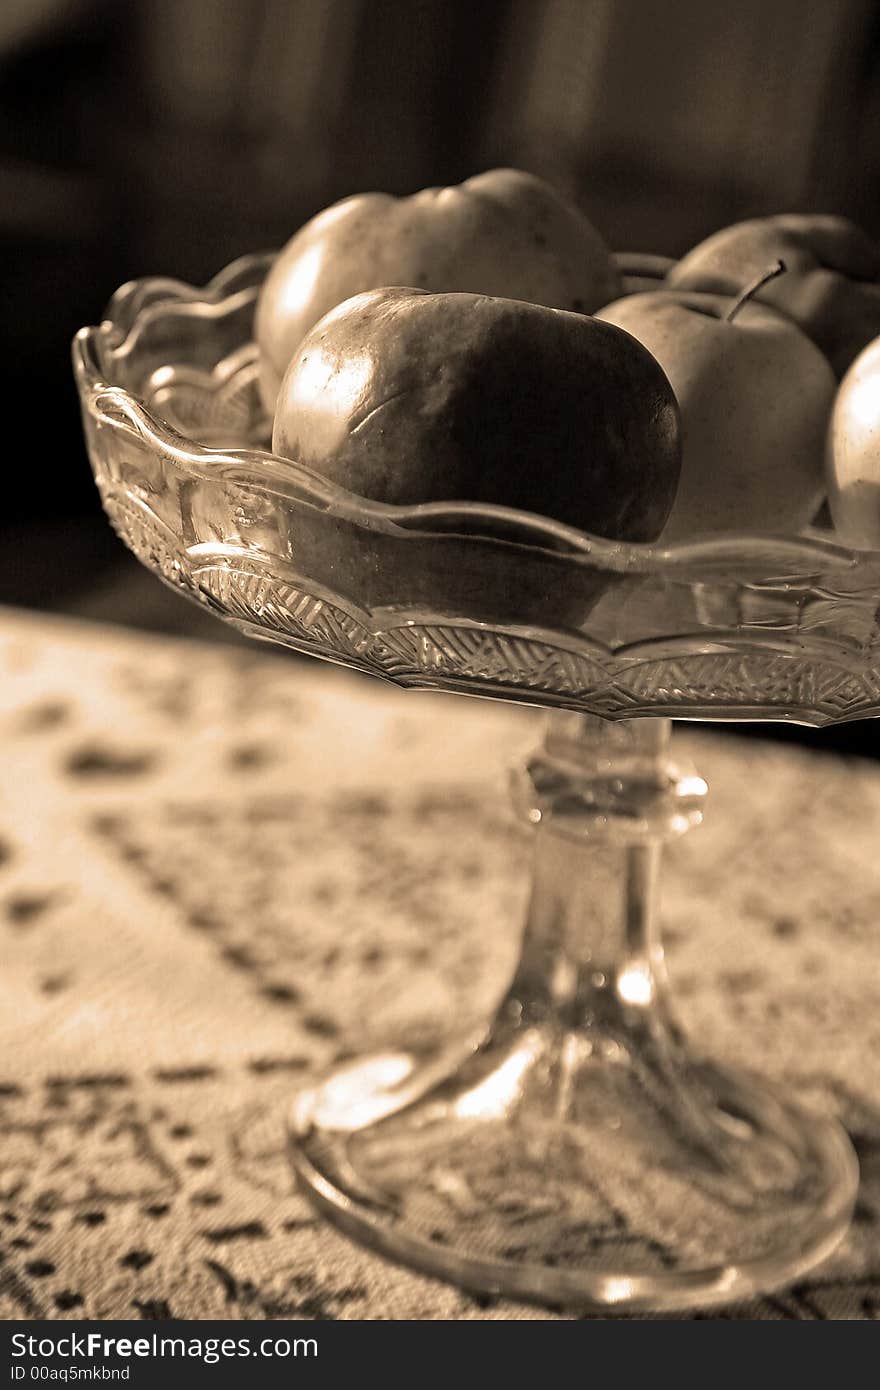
439, 650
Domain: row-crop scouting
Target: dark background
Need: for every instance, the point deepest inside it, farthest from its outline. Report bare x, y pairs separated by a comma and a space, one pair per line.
168, 136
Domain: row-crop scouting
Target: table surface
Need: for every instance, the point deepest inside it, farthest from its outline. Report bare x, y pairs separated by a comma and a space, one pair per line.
220, 870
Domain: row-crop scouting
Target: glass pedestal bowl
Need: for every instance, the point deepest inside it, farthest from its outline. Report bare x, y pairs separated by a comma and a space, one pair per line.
578, 1153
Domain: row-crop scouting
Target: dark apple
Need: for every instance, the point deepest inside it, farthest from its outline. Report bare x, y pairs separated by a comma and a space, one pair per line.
406, 397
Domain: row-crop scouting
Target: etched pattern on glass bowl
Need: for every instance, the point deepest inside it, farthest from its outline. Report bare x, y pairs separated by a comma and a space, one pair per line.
578, 1153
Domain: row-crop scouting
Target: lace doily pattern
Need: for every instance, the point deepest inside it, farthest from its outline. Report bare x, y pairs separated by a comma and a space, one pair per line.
221, 871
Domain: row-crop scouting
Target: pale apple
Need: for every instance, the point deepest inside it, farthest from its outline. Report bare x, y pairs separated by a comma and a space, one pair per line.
853, 456
755, 397
832, 286
503, 233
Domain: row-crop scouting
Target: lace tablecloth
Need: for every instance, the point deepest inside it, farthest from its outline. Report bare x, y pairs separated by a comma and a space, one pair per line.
222, 869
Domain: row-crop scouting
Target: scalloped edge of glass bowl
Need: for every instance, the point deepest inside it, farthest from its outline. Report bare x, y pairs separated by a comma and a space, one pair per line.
824, 675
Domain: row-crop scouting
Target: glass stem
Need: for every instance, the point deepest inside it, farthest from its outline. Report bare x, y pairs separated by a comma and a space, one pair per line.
603, 796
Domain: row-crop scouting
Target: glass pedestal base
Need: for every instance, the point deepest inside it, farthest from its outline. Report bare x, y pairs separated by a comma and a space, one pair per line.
547, 1173
581, 1155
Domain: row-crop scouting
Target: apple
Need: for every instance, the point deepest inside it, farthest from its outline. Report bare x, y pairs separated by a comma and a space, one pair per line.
755, 396
831, 290
503, 233
405, 397
853, 455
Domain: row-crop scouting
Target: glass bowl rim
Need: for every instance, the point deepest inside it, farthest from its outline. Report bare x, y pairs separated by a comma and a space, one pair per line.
139, 302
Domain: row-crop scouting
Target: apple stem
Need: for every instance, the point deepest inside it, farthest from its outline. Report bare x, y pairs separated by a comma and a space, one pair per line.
750, 290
